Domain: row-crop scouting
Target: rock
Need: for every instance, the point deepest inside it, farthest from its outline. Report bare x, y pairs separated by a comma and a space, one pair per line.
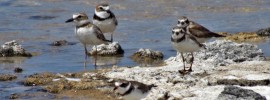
113, 49
39, 79
57, 87
237, 93
7, 77
243, 82
242, 62
147, 56
12, 48
224, 52
14, 96
18, 70
263, 32
61, 43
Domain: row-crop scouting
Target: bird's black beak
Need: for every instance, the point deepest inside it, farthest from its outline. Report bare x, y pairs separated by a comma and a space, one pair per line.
70, 20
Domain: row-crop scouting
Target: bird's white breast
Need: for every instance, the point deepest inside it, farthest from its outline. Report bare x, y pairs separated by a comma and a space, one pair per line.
106, 26
87, 36
135, 95
186, 45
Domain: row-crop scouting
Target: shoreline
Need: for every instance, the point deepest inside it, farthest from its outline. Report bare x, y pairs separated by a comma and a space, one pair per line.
222, 64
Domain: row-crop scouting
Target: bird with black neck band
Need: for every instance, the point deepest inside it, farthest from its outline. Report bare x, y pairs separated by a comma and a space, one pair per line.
105, 19
87, 33
185, 43
132, 90
201, 33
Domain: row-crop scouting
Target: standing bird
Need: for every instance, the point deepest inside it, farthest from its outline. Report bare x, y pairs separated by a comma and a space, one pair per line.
86, 32
201, 33
105, 19
184, 43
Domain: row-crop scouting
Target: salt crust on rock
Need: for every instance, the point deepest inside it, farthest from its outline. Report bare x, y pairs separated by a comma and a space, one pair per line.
13, 48
112, 49
202, 83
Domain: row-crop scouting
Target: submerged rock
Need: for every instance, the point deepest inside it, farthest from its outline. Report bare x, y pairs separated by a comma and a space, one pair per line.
61, 43
12, 48
18, 70
39, 79
147, 56
224, 52
14, 96
7, 77
237, 93
113, 49
264, 32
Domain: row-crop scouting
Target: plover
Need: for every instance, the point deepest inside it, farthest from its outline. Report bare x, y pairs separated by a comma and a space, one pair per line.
184, 43
105, 19
201, 33
86, 32
132, 90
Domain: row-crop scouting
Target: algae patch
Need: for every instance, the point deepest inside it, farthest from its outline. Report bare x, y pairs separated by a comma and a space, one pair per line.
246, 37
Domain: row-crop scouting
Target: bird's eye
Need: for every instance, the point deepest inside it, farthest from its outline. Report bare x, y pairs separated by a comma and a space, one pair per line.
101, 8
124, 85
187, 21
177, 33
79, 16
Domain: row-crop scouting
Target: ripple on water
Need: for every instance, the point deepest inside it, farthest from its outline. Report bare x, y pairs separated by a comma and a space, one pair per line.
42, 17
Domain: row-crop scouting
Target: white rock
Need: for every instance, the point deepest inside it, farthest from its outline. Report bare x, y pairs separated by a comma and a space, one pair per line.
206, 70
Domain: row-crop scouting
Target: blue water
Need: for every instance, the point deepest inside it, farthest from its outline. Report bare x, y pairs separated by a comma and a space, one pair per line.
142, 24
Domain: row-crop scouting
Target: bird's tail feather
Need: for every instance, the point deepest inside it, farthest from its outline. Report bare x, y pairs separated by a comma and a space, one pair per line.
218, 35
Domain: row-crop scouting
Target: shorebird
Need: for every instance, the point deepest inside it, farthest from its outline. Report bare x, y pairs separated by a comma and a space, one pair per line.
105, 19
201, 33
184, 43
86, 32
132, 90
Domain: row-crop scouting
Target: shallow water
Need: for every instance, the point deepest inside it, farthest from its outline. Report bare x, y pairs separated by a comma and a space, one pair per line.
142, 24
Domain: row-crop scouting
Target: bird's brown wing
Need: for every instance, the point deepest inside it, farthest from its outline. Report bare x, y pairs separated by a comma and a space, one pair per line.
100, 34
195, 40
200, 31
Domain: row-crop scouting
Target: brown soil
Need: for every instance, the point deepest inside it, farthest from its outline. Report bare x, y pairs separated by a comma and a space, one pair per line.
90, 94
7, 77
93, 86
